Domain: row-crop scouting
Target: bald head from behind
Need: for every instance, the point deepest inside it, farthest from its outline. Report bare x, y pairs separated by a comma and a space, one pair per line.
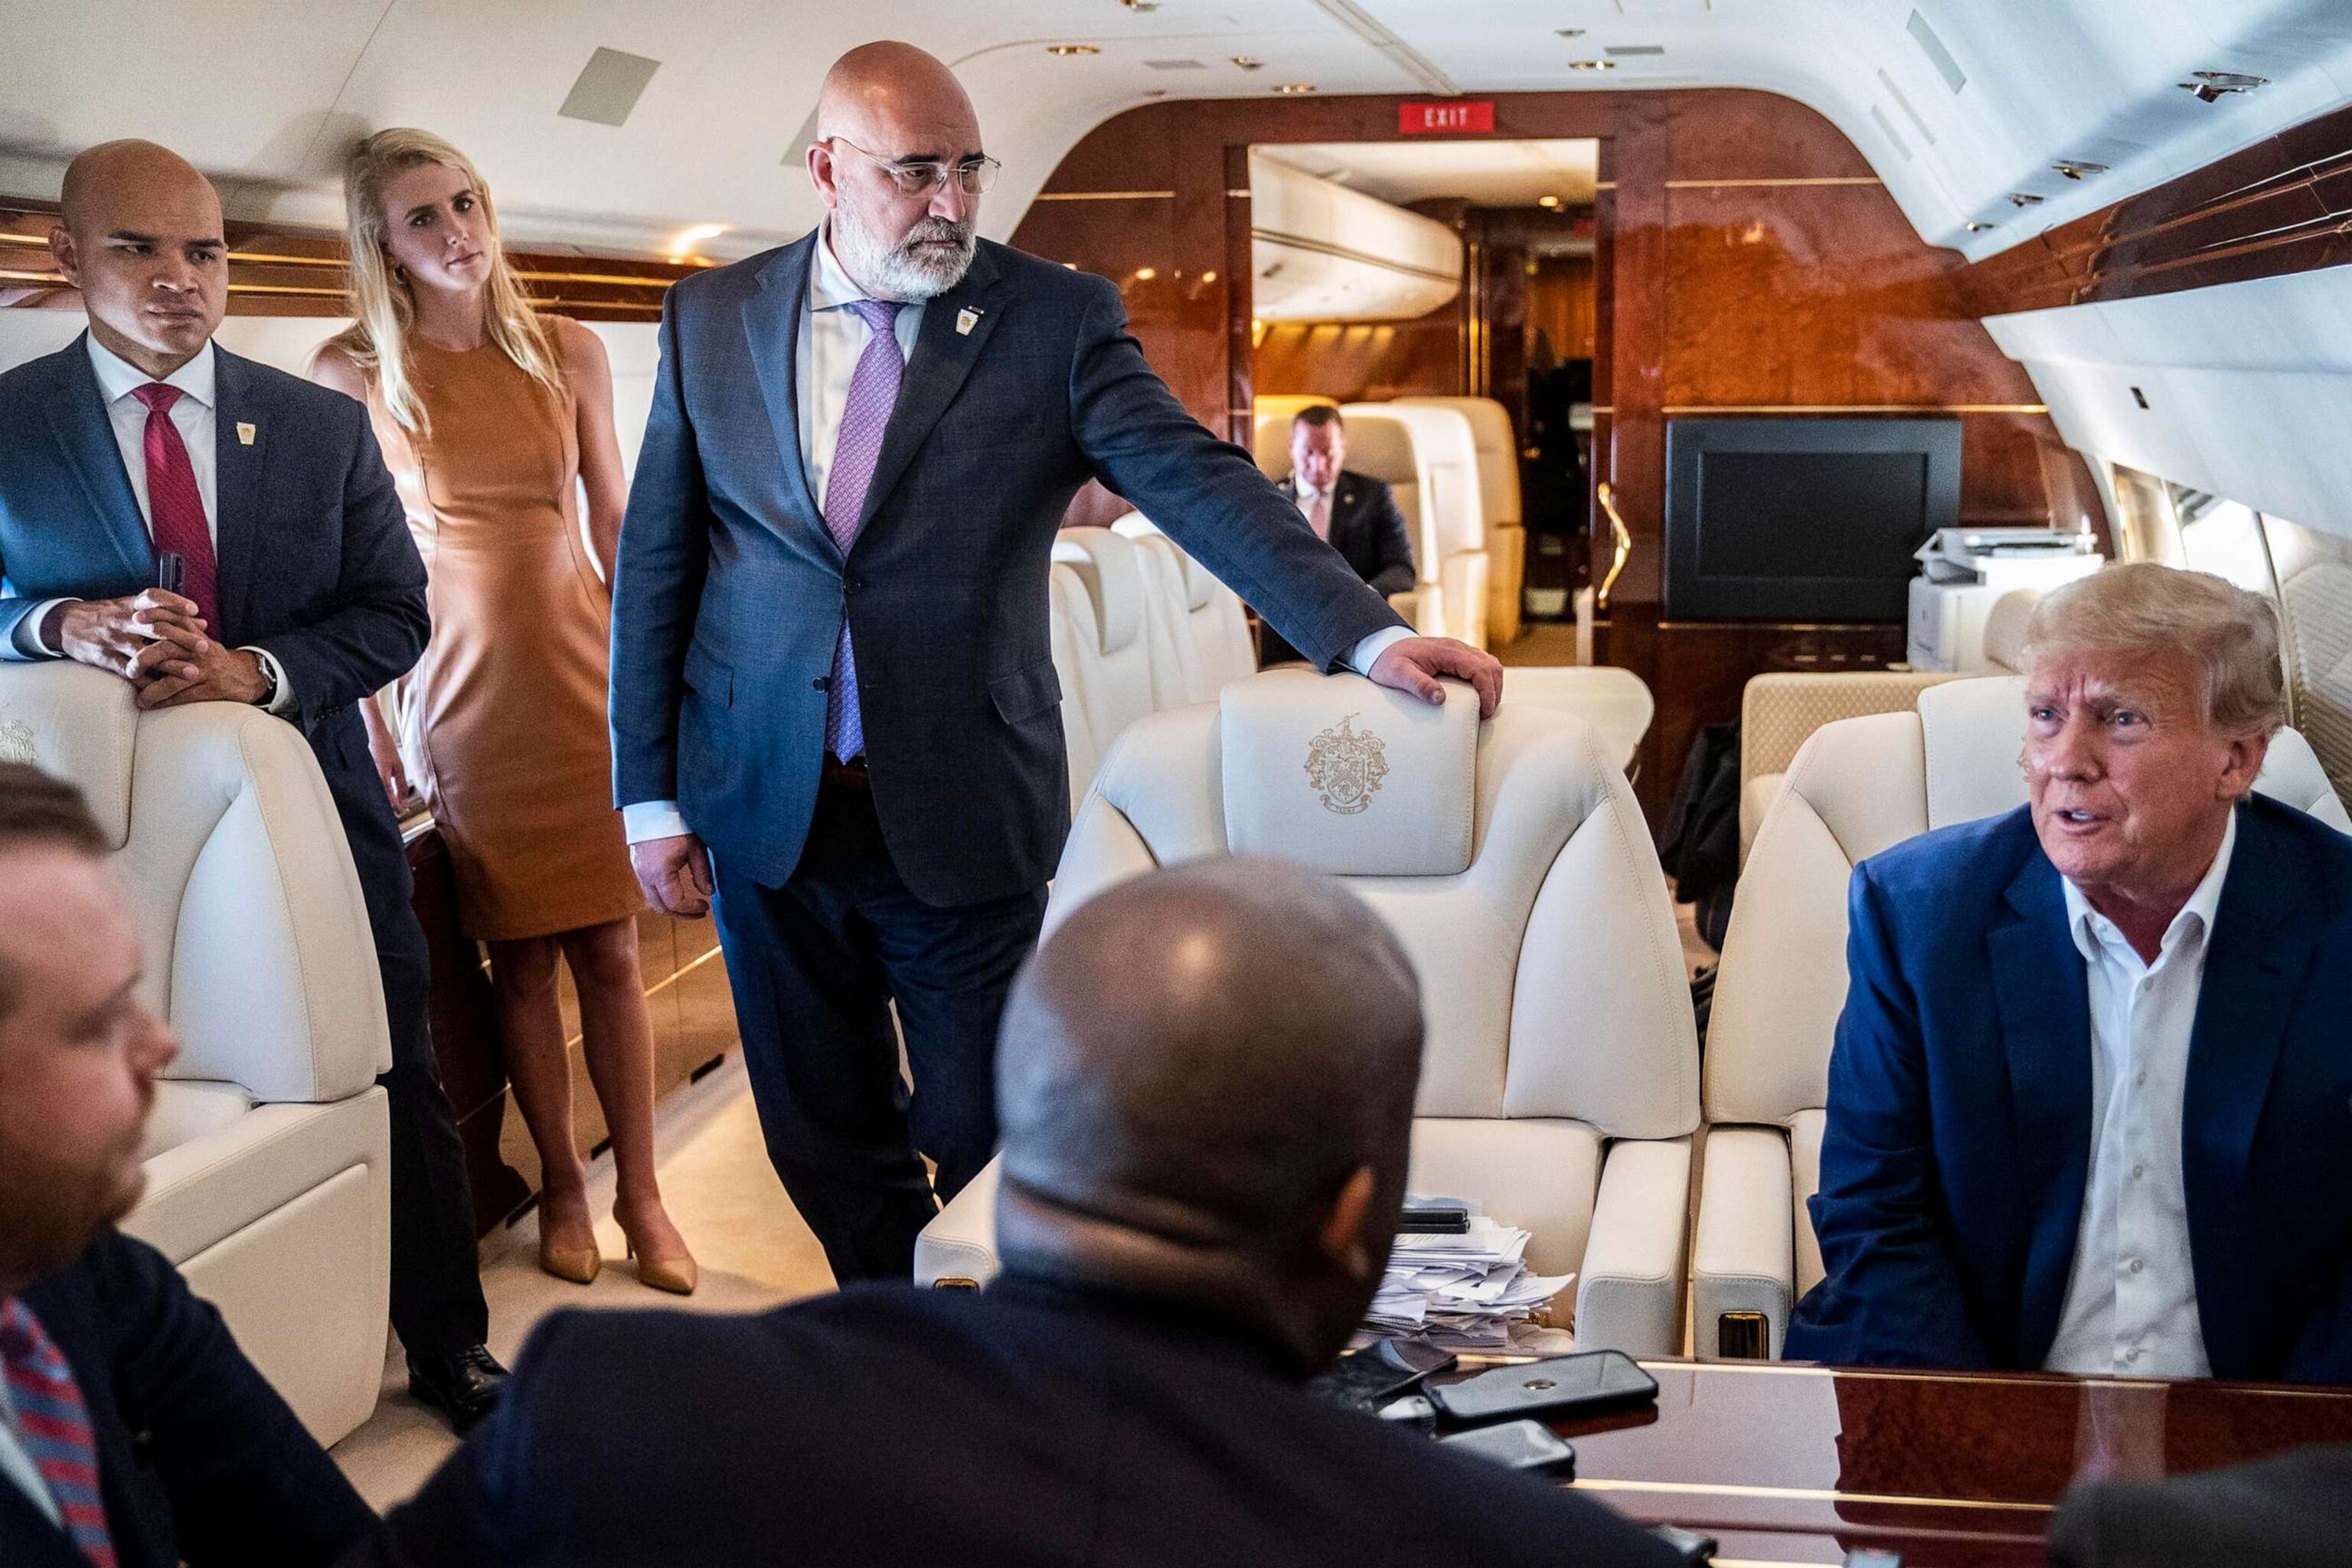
1205, 1089
140, 236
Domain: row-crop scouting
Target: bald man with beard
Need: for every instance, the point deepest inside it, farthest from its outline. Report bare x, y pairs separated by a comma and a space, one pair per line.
1207, 1098
835, 717
293, 586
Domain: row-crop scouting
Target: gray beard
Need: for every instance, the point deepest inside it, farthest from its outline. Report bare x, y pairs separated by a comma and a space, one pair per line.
900, 271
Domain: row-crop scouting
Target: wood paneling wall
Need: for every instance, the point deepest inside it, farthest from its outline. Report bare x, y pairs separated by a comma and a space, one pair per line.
1559, 304
1362, 361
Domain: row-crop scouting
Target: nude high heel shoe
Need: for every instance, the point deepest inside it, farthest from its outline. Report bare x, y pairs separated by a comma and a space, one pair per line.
580, 1265
678, 1276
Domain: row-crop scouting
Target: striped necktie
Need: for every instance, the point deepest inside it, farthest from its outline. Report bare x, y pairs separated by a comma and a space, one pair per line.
55, 1426
857, 446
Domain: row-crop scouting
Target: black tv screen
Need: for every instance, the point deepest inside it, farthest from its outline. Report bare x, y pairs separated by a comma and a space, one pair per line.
1798, 519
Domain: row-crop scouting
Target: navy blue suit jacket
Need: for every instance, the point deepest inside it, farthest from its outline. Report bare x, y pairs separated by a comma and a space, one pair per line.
893, 1427
315, 563
730, 593
1957, 1152
199, 1460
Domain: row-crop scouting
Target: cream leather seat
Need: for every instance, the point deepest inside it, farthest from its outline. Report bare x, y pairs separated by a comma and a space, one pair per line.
1381, 446
1197, 619
1114, 677
1559, 1080
1498, 496
1071, 628
1450, 542
1858, 786
1780, 712
268, 1150
1616, 702
2315, 578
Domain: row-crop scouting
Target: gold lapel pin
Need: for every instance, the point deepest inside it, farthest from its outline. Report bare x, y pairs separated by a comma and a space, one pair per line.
965, 322
244, 434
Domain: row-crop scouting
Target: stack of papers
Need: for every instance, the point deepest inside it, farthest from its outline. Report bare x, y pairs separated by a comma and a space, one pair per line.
1465, 1293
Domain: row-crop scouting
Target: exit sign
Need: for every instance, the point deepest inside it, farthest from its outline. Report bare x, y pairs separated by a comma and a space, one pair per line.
1449, 117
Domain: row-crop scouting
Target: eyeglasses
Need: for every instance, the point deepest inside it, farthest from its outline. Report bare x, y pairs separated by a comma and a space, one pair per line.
920, 177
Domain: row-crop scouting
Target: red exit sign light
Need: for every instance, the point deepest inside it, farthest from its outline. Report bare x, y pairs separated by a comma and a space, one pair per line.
1447, 118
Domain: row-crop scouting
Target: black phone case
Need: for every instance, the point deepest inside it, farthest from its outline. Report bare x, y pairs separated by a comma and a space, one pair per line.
1521, 1445
1591, 1381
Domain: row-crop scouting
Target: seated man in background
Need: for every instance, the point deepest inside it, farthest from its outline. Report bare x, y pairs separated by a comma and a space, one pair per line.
1206, 1092
2090, 1108
1354, 514
133, 1430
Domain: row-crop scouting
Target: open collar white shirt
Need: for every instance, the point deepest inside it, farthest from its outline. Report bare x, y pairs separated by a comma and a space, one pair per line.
2131, 1300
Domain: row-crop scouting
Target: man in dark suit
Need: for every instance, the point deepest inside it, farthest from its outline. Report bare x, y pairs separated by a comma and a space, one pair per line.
831, 649
2290, 1511
2090, 1108
1354, 513
1207, 1098
133, 1430
297, 589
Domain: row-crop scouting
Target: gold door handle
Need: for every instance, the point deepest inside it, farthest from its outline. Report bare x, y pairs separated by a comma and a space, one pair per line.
1624, 544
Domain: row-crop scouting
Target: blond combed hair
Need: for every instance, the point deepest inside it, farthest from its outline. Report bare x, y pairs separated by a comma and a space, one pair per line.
2140, 611
387, 309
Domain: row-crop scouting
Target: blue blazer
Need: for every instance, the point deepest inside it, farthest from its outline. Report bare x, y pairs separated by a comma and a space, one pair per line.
730, 593
1958, 1147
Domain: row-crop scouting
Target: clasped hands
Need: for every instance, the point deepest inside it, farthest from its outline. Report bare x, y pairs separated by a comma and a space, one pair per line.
156, 640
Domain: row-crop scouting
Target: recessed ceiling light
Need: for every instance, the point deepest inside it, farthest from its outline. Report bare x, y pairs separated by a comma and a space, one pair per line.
1145, 274
1140, 5
2210, 86
1975, 227
1294, 87
1620, 51
2025, 199
697, 234
1155, 93
1569, 32
2075, 169
1072, 49
1593, 65
1548, 201
1248, 62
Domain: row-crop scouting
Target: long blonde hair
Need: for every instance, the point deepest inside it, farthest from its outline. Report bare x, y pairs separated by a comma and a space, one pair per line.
378, 341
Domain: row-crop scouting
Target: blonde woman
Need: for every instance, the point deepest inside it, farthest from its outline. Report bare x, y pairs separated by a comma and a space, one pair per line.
494, 419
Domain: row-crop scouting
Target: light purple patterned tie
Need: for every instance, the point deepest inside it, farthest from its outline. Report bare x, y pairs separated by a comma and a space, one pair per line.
873, 391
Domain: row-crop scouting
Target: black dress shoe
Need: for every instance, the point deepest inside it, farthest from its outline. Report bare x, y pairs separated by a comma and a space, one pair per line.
465, 1387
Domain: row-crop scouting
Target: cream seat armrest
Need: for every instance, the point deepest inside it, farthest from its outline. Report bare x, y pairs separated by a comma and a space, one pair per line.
1629, 1295
959, 1247
1756, 798
1744, 1259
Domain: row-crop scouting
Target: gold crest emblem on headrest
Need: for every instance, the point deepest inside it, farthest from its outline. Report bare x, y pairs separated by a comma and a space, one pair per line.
1346, 768
16, 742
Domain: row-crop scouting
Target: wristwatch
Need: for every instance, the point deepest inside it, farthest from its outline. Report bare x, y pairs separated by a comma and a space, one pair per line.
269, 697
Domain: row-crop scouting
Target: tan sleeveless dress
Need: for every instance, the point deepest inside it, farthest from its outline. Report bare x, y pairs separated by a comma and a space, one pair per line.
503, 719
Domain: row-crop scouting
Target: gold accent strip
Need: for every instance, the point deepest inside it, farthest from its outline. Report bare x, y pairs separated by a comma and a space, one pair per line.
55, 278
1620, 550
1807, 1494
1107, 195
264, 259
1241, 195
1674, 408
1604, 185
1770, 184
1605, 408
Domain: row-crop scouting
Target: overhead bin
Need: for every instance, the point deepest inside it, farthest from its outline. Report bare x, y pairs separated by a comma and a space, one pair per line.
1321, 252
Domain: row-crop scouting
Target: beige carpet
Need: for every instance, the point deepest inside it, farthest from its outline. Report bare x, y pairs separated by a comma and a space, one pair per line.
752, 1248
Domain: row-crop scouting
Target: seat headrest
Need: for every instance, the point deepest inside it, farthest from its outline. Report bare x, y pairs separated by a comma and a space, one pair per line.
2004, 627
1199, 585
1107, 565
78, 723
1344, 776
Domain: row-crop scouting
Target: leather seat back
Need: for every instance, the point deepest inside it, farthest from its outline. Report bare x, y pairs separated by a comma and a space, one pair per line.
1859, 787
1509, 857
1197, 619
254, 928
1450, 548
1075, 643
1116, 671
1498, 495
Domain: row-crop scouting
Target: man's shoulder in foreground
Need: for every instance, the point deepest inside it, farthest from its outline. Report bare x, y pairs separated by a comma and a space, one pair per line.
40, 378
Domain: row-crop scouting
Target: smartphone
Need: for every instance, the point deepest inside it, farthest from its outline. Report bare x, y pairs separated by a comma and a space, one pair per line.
1564, 1385
1521, 1445
1376, 1376
171, 572
1439, 1217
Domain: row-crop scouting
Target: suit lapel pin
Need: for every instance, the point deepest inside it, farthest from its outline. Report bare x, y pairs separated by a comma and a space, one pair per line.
966, 320
244, 434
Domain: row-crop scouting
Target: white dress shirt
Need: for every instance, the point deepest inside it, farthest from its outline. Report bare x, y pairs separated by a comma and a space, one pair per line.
16, 1463
1307, 499
193, 414
831, 339
2131, 1301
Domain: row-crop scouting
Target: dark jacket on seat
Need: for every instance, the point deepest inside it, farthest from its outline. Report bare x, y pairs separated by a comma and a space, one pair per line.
1025, 1423
1369, 531
198, 1459
1958, 1148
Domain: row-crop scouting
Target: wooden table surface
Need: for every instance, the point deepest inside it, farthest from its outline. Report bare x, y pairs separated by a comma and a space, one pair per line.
1788, 1463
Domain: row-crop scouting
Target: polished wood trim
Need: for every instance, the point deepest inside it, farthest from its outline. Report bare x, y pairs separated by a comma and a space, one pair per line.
1775, 183
1104, 196
1673, 409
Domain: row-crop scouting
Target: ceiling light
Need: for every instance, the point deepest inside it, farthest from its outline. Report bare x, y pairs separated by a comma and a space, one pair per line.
2210, 86
687, 238
1620, 51
1548, 201
1145, 274
2075, 169
1291, 86
1155, 93
1569, 32
1593, 65
1072, 49
1248, 62
1208, 276
2025, 199
1975, 227
1140, 6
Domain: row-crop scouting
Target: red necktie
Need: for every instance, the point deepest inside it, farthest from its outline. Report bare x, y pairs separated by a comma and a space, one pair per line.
175, 507
54, 1424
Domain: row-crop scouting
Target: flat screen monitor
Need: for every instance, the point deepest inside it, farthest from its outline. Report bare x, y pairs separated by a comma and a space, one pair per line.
1811, 520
